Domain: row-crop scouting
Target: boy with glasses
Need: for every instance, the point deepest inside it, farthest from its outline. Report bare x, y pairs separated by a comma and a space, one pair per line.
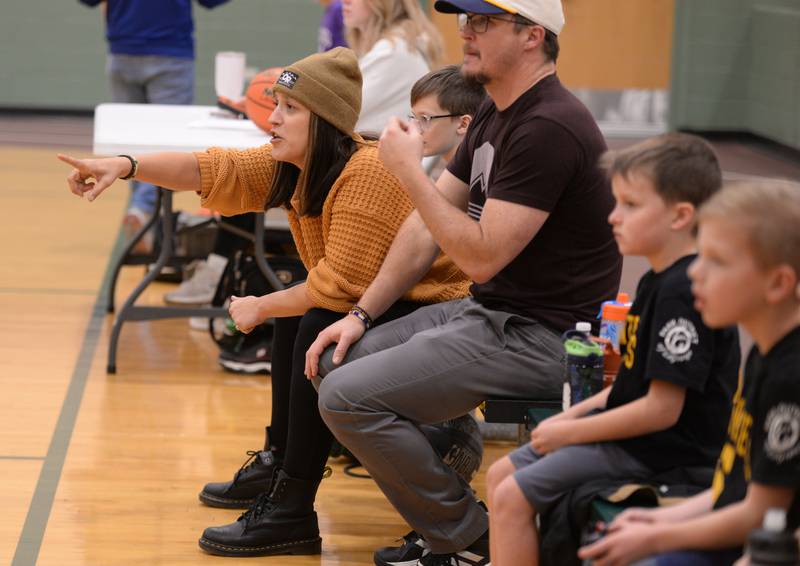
442, 106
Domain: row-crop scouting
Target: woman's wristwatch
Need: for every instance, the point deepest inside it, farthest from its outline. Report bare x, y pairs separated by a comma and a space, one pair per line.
134, 167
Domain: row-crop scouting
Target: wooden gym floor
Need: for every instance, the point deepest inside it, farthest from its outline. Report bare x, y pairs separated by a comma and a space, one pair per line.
105, 470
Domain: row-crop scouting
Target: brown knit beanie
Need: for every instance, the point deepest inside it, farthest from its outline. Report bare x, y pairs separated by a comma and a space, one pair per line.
328, 84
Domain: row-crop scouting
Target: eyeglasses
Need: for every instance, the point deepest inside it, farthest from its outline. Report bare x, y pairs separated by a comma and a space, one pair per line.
479, 23
424, 121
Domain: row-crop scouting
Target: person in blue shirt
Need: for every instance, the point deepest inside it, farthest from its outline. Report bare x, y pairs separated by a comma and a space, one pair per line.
150, 60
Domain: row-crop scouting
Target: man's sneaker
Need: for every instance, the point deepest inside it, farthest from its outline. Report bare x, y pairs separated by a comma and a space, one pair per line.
255, 359
253, 478
476, 554
200, 288
413, 548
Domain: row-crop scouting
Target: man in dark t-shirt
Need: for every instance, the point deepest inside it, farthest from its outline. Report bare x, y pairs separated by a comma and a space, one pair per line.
542, 152
522, 210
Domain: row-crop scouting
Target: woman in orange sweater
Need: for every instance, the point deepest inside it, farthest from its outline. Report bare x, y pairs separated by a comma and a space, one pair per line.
344, 210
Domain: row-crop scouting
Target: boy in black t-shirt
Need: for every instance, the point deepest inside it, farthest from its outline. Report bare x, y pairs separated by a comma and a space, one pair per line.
747, 272
671, 397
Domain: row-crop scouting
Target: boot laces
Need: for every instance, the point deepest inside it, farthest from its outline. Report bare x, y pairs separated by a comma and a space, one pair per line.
264, 502
248, 465
262, 505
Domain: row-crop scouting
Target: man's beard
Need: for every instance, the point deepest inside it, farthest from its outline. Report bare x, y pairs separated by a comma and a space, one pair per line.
473, 79
479, 78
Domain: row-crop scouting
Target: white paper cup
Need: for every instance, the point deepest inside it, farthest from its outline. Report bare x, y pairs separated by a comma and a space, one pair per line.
229, 74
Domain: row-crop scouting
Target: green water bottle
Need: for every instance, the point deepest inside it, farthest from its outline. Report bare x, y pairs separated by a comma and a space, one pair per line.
584, 365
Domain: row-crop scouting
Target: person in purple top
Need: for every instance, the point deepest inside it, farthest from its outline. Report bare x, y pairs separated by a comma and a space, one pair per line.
331, 27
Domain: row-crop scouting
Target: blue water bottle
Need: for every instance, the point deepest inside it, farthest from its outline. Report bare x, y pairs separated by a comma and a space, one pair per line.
584, 365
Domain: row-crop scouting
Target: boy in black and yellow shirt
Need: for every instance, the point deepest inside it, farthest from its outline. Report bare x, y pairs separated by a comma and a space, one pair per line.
668, 404
747, 272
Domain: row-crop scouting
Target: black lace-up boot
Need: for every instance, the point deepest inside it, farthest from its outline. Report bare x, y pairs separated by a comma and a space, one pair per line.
254, 477
283, 522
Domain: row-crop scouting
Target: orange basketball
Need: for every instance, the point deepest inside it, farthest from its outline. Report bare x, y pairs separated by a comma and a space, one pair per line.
259, 103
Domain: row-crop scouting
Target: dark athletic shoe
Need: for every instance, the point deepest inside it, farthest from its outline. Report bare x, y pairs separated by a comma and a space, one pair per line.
255, 359
476, 554
413, 548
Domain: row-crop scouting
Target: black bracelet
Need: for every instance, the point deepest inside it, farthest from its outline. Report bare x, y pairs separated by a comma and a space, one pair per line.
134, 167
362, 315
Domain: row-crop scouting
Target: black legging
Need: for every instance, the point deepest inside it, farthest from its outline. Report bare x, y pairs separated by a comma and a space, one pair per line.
297, 431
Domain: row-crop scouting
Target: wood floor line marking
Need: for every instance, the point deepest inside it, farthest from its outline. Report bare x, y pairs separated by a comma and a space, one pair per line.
5, 457
30, 540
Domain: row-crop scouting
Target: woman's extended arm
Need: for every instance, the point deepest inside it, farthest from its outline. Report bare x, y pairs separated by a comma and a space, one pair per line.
175, 171
230, 181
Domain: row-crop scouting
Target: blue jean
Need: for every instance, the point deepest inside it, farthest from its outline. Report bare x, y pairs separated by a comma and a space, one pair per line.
149, 79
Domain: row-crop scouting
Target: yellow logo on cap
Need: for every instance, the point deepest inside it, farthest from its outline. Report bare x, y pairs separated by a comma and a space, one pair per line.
502, 6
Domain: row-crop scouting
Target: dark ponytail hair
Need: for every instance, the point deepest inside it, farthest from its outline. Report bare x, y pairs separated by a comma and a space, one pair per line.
329, 151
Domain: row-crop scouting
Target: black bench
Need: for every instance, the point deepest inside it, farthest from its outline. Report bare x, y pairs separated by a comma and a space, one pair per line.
527, 413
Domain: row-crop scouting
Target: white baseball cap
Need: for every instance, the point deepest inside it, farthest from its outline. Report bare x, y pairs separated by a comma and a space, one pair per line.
547, 13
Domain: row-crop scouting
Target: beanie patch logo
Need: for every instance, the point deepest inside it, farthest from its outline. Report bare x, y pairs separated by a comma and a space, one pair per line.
287, 79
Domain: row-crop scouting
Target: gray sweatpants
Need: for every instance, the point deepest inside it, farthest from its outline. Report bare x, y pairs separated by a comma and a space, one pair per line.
435, 364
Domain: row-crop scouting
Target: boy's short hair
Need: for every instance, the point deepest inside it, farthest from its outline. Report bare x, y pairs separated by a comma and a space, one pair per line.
682, 167
768, 212
454, 93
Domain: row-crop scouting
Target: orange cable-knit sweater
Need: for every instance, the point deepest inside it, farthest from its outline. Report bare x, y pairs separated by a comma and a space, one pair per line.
344, 247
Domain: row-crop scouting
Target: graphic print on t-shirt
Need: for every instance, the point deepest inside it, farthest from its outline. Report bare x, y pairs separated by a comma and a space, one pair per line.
628, 339
782, 428
677, 338
482, 160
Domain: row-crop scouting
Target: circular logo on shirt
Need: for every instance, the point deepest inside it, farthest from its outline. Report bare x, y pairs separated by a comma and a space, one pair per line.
783, 432
677, 338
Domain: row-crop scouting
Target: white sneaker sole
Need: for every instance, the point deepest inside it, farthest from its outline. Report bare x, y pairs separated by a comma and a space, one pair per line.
243, 367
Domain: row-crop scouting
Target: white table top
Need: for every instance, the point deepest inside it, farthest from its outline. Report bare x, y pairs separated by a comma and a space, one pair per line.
150, 128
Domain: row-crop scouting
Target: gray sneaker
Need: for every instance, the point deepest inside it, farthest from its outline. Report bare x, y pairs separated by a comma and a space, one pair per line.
199, 289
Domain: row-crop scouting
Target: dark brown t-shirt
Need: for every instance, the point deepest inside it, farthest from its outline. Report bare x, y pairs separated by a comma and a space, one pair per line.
542, 152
